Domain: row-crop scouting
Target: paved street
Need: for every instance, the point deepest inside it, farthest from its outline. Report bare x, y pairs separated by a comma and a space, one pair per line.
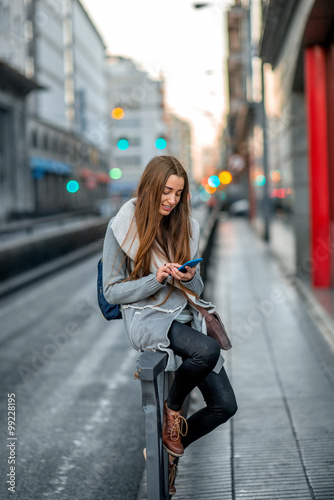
78, 407
280, 444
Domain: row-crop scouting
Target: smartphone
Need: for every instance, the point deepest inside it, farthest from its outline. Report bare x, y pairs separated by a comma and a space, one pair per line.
190, 263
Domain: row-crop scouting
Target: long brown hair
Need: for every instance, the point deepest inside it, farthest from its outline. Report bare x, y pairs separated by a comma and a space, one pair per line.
175, 228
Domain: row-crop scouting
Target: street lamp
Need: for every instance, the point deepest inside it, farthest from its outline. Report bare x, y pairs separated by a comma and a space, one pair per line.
266, 208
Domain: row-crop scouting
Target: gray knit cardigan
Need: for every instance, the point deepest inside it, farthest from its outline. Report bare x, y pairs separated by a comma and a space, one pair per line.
146, 322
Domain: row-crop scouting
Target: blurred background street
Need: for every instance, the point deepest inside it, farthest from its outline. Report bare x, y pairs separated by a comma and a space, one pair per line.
242, 93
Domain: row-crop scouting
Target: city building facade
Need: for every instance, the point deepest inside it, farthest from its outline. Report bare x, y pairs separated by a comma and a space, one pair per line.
236, 139
298, 43
281, 69
15, 86
64, 126
68, 126
85, 73
179, 140
141, 133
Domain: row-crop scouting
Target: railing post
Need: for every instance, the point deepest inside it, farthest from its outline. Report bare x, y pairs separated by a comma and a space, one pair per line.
150, 371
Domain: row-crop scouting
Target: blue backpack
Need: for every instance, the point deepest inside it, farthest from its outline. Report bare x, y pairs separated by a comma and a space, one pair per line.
109, 311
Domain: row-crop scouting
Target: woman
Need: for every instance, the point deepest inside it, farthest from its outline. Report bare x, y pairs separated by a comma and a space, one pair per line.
151, 236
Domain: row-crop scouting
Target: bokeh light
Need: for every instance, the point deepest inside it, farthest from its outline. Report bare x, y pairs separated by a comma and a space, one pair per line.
117, 113
72, 186
115, 173
276, 175
260, 180
210, 189
204, 181
214, 181
123, 144
205, 196
161, 143
225, 177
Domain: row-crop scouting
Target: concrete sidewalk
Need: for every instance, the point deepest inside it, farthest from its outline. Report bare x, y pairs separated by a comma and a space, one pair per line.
280, 444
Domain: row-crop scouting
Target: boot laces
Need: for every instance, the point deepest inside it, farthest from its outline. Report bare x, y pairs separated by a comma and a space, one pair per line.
177, 428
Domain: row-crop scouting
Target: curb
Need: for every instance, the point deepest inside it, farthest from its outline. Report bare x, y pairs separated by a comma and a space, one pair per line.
316, 310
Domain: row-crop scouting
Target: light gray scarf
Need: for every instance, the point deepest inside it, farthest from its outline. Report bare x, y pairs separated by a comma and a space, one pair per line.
124, 223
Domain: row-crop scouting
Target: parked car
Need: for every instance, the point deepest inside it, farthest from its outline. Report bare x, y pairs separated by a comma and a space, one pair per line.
239, 208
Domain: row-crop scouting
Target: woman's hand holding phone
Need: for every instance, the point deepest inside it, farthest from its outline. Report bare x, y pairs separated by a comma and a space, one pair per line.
172, 269
182, 276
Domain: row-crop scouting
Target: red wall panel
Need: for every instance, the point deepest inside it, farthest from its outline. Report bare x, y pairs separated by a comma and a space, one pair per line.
317, 117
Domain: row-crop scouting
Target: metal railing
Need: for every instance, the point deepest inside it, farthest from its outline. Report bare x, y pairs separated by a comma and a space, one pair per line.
35, 223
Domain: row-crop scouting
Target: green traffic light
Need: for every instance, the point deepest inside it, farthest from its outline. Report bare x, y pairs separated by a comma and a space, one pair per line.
115, 173
72, 186
123, 144
161, 143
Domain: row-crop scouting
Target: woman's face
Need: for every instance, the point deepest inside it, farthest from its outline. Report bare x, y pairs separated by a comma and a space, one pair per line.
171, 194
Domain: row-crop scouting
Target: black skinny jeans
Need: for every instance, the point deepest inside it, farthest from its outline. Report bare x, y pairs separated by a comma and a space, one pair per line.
200, 355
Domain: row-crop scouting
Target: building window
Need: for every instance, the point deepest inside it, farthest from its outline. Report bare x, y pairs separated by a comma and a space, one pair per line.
45, 144
4, 19
55, 144
17, 26
128, 160
133, 141
34, 139
127, 123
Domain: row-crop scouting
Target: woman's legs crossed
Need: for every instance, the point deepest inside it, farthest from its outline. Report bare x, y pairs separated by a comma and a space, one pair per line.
221, 406
200, 355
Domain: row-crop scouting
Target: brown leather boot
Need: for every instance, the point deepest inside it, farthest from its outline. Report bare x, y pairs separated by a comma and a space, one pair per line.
172, 431
172, 473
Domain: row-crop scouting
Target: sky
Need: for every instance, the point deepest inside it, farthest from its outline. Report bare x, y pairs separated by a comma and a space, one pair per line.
187, 45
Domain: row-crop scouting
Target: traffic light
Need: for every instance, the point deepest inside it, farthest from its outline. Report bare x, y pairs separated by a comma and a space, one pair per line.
115, 173
123, 144
117, 113
225, 177
72, 186
214, 181
161, 143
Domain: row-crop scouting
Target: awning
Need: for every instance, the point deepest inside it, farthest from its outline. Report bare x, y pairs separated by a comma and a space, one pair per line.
17, 80
43, 165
